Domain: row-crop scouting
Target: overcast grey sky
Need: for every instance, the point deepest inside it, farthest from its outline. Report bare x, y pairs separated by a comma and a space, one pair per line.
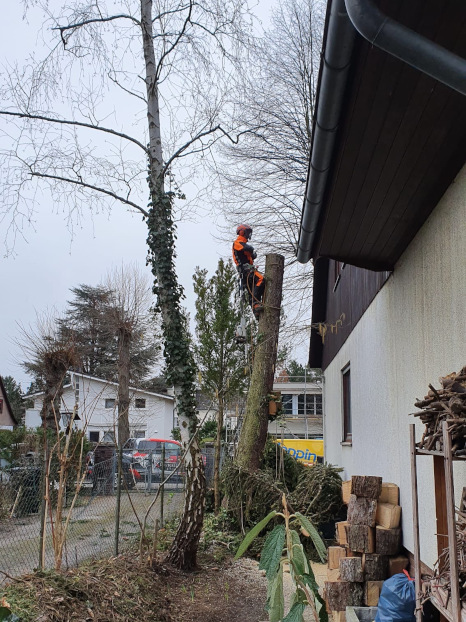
50, 258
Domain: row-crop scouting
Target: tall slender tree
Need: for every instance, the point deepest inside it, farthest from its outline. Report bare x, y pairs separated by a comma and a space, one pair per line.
219, 358
60, 136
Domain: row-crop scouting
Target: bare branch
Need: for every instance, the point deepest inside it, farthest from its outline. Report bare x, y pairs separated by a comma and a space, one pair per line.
177, 40
37, 117
83, 184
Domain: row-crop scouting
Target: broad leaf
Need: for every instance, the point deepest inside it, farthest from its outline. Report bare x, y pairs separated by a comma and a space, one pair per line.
310, 580
314, 535
272, 551
253, 533
295, 614
298, 557
276, 603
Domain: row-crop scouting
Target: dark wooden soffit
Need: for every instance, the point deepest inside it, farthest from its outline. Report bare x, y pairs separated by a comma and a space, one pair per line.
402, 141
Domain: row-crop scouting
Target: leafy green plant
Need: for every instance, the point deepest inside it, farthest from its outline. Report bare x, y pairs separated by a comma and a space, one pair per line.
283, 547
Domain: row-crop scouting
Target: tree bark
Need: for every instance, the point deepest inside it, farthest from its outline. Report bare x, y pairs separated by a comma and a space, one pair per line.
218, 449
178, 356
254, 430
124, 343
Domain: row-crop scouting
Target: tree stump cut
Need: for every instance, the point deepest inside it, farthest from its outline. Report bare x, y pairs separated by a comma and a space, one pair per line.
361, 511
361, 538
351, 569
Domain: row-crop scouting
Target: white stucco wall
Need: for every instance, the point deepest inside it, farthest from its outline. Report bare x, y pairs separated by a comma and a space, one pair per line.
413, 332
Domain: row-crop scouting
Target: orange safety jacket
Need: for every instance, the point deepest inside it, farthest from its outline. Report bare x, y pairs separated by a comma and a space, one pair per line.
243, 253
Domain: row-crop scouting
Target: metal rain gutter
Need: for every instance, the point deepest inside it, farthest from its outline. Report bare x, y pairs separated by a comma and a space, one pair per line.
407, 45
390, 36
336, 63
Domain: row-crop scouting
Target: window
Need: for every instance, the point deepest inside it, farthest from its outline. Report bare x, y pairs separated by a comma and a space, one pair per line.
287, 404
110, 403
1, 406
139, 434
346, 394
94, 436
312, 405
140, 402
108, 437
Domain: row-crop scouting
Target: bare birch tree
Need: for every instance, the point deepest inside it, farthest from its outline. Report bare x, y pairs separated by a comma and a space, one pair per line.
70, 136
263, 177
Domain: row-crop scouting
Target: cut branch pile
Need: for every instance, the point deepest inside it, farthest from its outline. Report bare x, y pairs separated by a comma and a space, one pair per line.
441, 583
449, 402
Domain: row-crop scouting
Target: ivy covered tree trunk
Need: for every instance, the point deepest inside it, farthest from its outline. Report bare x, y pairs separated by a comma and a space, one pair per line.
254, 429
178, 356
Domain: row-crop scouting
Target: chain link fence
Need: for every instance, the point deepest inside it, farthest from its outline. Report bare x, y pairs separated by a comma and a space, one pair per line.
96, 526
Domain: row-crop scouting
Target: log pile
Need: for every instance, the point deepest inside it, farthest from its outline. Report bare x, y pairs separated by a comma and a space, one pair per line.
449, 402
369, 543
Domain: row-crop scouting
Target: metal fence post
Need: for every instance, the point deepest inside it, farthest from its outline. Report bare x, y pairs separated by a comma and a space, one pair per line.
162, 489
118, 500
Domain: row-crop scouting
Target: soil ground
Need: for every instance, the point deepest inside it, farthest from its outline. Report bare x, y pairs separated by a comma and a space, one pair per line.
119, 589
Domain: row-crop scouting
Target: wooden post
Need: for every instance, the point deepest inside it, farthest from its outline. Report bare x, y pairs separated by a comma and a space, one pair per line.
417, 552
254, 429
452, 545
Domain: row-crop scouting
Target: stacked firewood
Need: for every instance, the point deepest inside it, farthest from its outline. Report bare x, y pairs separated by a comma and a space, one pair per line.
369, 545
449, 402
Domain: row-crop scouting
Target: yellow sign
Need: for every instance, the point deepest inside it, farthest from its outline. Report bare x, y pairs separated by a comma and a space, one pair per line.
303, 450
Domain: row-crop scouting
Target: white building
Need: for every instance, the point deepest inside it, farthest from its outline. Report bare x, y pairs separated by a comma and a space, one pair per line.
95, 401
384, 222
7, 418
301, 415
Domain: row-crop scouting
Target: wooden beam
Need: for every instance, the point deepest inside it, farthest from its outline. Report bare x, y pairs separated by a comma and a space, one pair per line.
414, 497
451, 524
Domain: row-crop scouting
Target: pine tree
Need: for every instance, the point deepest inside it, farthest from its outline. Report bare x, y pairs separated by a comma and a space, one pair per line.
219, 359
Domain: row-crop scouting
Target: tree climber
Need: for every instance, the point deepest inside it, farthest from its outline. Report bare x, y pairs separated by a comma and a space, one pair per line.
252, 280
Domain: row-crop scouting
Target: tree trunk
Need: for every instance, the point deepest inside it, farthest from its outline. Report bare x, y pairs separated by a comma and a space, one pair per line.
124, 343
181, 370
218, 450
254, 430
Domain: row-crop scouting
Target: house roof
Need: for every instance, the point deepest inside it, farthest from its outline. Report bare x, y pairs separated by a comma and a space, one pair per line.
399, 142
7, 402
108, 382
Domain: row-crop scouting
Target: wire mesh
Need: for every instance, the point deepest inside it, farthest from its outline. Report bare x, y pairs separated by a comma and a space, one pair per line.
90, 510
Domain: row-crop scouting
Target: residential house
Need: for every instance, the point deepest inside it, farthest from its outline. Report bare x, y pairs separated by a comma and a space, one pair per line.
301, 409
7, 418
384, 221
94, 402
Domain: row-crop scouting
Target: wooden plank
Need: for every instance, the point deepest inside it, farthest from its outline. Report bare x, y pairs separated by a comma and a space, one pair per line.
346, 491
388, 515
390, 493
452, 544
440, 505
335, 553
415, 509
341, 535
372, 593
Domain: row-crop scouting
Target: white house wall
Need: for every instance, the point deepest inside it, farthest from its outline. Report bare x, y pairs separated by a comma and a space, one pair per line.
412, 333
156, 419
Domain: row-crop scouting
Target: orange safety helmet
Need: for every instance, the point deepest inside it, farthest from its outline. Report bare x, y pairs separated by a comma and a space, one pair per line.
244, 230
